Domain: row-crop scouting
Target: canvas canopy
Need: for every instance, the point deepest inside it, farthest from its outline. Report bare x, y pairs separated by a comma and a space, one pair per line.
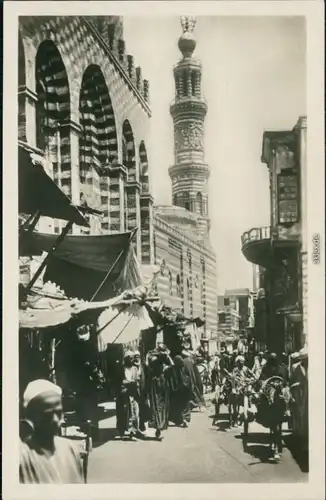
39, 193
45, 308
122, 324
81, 263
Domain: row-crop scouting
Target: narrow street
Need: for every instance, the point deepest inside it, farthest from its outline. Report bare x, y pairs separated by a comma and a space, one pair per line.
200, 454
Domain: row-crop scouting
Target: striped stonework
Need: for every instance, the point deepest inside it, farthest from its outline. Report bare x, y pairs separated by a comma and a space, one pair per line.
189, 284
83, 103
146, 223
132, 213
87, 110
116, 218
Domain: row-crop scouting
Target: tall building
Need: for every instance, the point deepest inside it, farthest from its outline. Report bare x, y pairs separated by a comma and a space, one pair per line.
189, 174
84, 107
181, 231
281, 248
228, 320
245, 299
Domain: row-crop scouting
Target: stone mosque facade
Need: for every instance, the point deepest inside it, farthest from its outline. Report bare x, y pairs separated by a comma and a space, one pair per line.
84, 106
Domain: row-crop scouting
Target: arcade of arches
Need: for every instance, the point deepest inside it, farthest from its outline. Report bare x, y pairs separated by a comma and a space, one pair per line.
85, 156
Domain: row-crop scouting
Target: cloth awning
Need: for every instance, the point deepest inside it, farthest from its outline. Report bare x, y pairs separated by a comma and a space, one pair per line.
81, 263
124, 325
43, 310
38, 192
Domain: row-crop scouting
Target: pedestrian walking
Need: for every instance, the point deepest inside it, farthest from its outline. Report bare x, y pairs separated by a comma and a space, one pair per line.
180, 394
46, 457
159, 366
144, 411
127, 400
257, 367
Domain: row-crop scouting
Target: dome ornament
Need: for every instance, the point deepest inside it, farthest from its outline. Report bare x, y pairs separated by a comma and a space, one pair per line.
187, 42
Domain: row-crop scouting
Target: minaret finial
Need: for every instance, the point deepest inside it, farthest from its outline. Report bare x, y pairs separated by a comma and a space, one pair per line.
188, 23
187, 41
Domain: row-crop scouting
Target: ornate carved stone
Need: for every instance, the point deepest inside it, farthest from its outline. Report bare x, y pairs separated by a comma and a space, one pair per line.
189, 136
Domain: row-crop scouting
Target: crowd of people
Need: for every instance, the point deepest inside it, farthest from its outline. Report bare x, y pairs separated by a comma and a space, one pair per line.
156, 392
234, 373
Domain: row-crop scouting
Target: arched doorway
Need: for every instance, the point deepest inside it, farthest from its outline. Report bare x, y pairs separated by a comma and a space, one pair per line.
21, 90
98, 142
53, 112
129, 151
98, 146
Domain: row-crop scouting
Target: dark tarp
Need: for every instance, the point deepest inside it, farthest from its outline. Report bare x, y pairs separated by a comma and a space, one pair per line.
172, 323
38, 192
168, 316
81, 263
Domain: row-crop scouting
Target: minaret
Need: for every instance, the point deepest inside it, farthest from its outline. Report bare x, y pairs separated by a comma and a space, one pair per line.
190, 173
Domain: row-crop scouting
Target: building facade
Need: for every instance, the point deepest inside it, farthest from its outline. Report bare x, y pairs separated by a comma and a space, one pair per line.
281, 249
245, 299
84, 107
228, 320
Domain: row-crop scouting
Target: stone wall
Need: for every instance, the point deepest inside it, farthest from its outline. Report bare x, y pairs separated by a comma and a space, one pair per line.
189, 281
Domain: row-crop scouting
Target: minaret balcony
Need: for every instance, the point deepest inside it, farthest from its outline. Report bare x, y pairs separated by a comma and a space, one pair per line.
188, 105
259, 244
201, 170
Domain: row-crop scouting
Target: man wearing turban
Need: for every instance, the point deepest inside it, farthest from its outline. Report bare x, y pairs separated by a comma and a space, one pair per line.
44, 456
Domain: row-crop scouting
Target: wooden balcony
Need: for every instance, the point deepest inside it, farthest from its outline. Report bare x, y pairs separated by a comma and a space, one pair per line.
259, 244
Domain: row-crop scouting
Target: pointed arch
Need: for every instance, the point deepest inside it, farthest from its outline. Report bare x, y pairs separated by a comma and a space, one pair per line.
199, 204
143, 163
184, 200
98, 146
129, 150
53, 112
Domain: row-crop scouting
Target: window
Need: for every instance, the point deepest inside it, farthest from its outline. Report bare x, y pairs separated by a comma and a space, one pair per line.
178, 281
185, 83
184, 200
193, 83
170, 284
199, 204
226, 301
222, 318
188, 290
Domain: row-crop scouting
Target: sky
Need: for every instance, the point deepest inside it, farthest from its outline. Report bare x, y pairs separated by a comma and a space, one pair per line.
254, 79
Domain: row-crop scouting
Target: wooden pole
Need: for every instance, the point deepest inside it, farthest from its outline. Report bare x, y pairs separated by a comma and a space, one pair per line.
30, 223
113, 265
64, 232
52, 361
